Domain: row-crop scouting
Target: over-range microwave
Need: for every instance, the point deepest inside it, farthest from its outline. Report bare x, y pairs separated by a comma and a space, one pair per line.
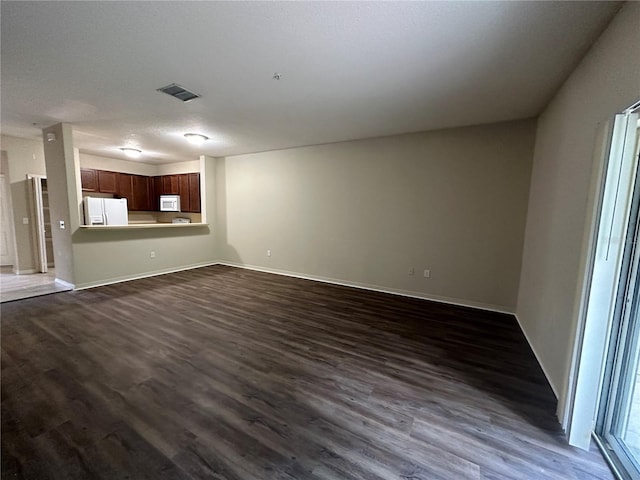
169, 203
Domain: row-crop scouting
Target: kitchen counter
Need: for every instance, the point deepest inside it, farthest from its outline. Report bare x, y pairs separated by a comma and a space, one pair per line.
133, 226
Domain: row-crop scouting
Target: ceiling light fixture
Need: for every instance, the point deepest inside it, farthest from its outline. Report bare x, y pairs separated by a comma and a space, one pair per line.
195, 138
131, 152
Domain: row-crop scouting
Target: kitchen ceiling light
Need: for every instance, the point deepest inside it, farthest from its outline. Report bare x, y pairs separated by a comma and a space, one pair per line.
131, 152
195, 138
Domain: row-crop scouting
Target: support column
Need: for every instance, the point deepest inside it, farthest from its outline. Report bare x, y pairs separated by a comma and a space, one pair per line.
63, 171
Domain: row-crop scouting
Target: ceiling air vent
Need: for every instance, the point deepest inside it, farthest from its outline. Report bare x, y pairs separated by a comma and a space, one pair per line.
179, 92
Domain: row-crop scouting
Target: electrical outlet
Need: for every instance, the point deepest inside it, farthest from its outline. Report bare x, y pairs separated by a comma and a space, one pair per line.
62, 225
412, 271
268, 253
427, 273
152, 254
25, 220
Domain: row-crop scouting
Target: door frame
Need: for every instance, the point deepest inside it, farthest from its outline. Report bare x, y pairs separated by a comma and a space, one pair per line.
622, 358
609, 207
40, 245
7, 205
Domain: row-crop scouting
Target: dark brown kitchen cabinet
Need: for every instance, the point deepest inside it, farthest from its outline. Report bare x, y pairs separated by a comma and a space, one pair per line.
170, 185
187, 185
194, 192
135, 188
183, 188
89, 179
156, 192
189, 188
107, 182
141, 194
125, 188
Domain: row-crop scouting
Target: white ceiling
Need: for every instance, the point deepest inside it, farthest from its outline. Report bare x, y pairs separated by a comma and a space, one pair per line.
349, 70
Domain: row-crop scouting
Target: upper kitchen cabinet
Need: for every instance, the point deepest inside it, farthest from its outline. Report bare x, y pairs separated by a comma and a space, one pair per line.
155, 184
170, 185
100, 181
125, 187
141, 193
187, 185
136, 189
107, 182
89, 179
183, 189
194, 192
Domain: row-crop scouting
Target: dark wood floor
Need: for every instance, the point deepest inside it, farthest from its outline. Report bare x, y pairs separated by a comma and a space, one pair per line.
223, 373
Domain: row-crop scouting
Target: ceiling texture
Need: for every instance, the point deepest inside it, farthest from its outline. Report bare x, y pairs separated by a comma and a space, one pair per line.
348, 70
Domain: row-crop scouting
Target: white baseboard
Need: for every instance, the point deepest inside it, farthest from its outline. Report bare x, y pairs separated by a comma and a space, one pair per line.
375, 288
546, 374
126, 278
24, 272
62, 283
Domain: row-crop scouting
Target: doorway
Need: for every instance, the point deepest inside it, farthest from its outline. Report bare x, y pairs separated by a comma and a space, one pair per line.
43, 281
618, 419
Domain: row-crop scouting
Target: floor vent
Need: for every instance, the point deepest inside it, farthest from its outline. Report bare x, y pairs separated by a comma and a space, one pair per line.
179, 92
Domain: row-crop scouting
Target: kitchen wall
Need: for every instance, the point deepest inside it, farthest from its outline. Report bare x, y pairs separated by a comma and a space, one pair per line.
24, 156
365, 212
177, 168
605, 82
117, 165
137, 167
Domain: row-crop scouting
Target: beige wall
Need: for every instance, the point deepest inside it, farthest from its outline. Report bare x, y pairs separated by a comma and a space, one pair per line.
605, 82
365, 212
24, 157
136, 167
177, 168
116, 165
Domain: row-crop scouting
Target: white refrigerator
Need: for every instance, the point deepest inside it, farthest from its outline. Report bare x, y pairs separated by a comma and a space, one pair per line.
105, 211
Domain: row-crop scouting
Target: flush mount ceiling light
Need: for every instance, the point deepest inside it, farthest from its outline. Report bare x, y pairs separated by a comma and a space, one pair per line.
195, 138
131, 152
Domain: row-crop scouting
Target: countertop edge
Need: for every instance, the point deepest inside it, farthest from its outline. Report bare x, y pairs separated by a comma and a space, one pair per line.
138, 226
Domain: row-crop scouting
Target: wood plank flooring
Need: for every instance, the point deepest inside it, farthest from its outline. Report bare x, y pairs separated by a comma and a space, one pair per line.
224, 373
